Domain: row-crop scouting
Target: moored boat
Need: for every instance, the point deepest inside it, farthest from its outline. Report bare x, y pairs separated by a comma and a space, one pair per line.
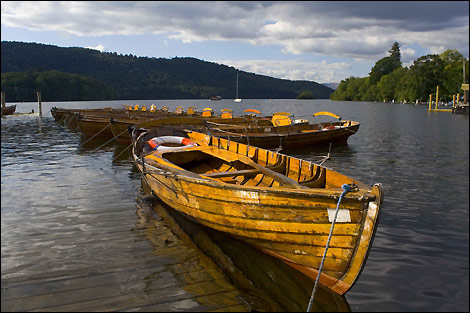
284, 132
282, 205
8, 110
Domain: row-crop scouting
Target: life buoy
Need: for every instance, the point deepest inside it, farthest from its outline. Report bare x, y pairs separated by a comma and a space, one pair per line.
331, 127
156, 143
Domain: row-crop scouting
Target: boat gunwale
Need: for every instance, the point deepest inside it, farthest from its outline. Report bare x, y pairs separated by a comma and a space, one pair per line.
313, 192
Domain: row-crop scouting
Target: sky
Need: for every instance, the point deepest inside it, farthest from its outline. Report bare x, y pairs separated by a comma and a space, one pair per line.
321, 41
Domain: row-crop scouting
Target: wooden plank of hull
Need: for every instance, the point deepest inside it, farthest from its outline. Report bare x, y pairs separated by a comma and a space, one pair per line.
91, 128
333, 283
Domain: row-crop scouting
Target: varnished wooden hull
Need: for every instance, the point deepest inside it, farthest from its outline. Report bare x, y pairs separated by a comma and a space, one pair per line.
92, 127
295, 136
289, 223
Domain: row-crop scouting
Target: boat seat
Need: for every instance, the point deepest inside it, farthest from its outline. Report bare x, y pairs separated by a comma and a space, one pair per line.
192, 110
281, 119
232, 173
226, 113
207, 112
179, 110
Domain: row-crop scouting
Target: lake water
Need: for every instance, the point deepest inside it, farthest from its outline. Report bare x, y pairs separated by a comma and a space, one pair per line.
419, 260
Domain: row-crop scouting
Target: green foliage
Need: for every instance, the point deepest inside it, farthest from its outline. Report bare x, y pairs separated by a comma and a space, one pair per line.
54, 86
386, 65
350, 89
143, 78
389, 81
306, 95
453, 72
388, 84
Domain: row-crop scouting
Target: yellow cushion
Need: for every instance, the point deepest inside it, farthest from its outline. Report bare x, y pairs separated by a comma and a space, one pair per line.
281, 120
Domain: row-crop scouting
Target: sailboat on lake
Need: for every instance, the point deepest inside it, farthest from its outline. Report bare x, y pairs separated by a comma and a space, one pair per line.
237, 99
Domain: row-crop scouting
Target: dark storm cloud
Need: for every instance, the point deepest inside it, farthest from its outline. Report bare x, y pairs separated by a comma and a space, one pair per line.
358, 29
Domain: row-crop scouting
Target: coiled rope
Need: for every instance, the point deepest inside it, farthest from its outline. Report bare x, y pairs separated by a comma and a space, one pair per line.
346, 189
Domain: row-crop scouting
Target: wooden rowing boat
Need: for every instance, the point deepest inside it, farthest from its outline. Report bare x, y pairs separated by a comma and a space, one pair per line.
8, 110
284, 133
280, 204
60, 114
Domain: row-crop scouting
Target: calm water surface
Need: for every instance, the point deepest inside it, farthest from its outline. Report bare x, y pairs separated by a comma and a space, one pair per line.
420, 256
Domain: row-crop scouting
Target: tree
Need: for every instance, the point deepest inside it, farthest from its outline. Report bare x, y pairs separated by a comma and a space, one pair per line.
387, 86
386, 65
425, 74
306, 95
453, 78
395, 55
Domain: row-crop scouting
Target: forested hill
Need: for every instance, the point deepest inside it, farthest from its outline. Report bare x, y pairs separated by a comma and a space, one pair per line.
131, 77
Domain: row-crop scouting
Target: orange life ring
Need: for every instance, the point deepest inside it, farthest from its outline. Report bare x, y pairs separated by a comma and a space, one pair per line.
156, 143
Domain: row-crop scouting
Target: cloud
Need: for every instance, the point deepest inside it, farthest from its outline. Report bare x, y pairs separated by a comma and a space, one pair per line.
322, 72
99, 47
360, 30
408, 56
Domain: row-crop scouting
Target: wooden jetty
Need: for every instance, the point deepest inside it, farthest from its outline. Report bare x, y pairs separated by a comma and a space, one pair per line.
457, 108
125, 265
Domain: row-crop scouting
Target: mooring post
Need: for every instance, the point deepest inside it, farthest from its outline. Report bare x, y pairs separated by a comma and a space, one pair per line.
430, 102
453, 103
3, 99
437, 96
39, 102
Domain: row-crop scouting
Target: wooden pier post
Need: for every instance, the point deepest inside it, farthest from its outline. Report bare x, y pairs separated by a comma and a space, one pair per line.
39, 102
3, 99
437, 96
464, 90
430, 102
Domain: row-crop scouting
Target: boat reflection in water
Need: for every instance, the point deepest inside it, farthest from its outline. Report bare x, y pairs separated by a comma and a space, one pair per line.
265, 282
